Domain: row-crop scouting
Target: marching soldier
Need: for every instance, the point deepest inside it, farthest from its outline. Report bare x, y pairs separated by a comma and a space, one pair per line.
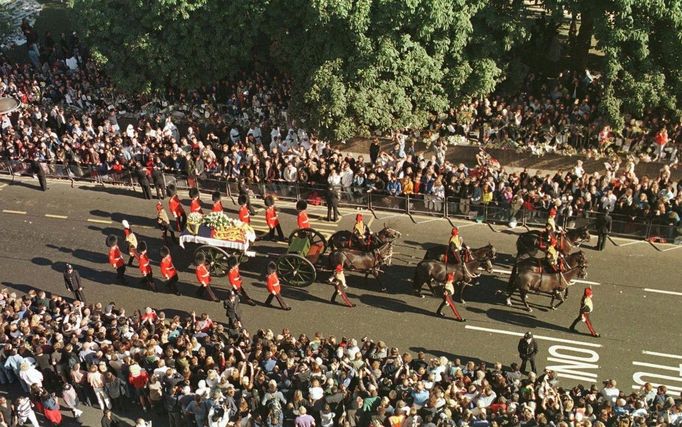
586, 307
244, 213
302, 219
195, 204
217, 203
168, 272
145, 265
456, 247
361, 230
163, 222
272, 220
274, 288
204, 278
236, 282
176, 209
116, 258
131, 239
72, 281
338, 279
448, 292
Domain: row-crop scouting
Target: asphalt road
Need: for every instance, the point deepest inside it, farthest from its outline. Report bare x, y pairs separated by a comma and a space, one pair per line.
637, 289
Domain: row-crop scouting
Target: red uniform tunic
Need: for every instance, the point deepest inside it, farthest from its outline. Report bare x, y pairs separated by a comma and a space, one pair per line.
217, 206
115, 257
302, 220
203, 275
235, 278
244, 215
195, 206
271, 217
272, 283
175, 206
167, 267
143, 259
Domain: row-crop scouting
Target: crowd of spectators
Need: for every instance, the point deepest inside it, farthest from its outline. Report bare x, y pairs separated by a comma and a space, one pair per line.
194, 371
72, 123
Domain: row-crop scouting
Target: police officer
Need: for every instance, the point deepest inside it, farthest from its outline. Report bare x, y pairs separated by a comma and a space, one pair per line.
143, 180
231, 305
243, 188
116, 258
603, 225
39, 170
72, 281
528, 349
586, 307
274, 288
333, 214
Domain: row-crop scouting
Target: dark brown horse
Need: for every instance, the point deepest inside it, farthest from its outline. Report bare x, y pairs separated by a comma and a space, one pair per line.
345, 239
363, 261
430, 270
527, 243
437, 252
530, 275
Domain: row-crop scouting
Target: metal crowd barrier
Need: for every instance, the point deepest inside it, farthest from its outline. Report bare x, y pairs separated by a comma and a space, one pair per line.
450, 207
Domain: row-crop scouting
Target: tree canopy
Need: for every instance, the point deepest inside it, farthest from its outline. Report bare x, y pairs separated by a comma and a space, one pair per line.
358, 66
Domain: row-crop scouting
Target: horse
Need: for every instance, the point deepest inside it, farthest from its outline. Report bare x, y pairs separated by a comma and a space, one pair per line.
429, 270
368, 262
437, 252
345, 239
527, 243
529, 275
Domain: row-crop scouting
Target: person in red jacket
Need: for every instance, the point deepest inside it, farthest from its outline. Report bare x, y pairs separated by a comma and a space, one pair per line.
176, 209
116, 258
272, 220
244, 214
448, 291
302, 219
195, 204
217, 203
274, 288
138, 378
338, 279
168, 272
236, 282
145, 266
204, 278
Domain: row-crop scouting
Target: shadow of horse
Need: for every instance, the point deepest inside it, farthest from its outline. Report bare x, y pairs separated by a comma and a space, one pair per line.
394, 304
522, 319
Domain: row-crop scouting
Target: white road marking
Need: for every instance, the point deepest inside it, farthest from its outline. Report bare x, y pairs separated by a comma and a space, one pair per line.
586, 282
371, 221
631, 243
14, 212
56, 216
660, 291
100, 221
539, 337
672, 249
654, 353
575, 362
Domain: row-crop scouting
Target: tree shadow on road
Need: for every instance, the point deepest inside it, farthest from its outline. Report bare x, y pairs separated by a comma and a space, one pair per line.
132, 219
119, 191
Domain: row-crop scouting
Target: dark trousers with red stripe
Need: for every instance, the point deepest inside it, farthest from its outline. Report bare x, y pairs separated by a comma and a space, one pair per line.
171, 284
242, 293
447, 300
181, 223
208, 291
279, 299
271, 233
148, 279
340, 291
120, 274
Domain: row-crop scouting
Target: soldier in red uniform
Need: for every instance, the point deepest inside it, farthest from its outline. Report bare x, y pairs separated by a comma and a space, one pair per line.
338, 279
586, 307
204, 278
217, 203
131, 239
175, 208
145, 265
168, 272
195, 204
274, 288
116, 258
244, 214
448, 291
272, 220
302, 219
236, 282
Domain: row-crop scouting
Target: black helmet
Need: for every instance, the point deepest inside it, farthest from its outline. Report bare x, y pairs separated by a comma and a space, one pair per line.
164, 251
231, 261
230, 293
272, 267
301, 205
215, 196
111, 240
170, 190
241, 199
528, 335
199, 258
142, 246
193, 192
269, 201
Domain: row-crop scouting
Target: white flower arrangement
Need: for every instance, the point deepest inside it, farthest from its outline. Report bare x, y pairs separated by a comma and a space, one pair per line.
195, 218
218, 220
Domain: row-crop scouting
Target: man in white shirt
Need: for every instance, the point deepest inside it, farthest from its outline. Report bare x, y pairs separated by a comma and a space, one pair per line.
610, 392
